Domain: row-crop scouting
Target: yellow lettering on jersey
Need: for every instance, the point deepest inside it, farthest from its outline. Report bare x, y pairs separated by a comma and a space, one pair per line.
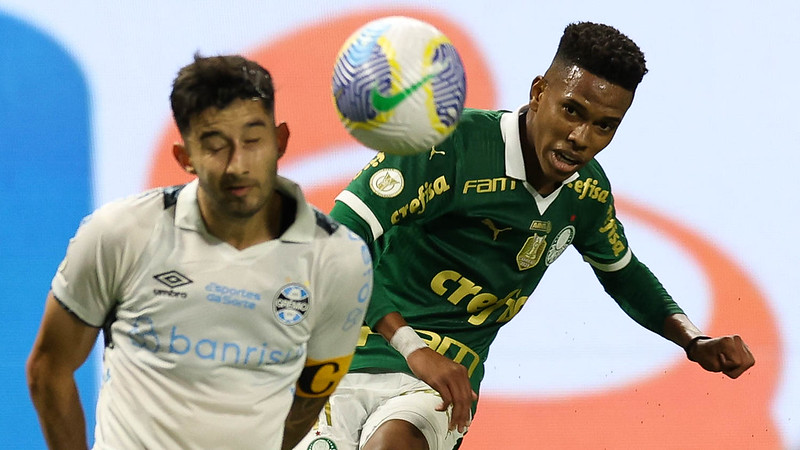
439, 344
589, 188
372, 163
513, 305
481, 304
425, 193
320, 378
486, 185
609, 228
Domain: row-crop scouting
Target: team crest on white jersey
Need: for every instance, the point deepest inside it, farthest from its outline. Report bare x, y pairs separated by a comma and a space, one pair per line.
291, 304
560, 243
387, 183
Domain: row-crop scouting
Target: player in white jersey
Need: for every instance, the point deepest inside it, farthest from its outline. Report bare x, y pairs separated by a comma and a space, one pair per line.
230, 307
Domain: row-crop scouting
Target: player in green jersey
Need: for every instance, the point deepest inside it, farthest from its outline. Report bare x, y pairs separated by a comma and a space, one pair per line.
461, 235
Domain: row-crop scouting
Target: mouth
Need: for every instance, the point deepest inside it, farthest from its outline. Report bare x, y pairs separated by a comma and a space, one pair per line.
564, 161
238, 191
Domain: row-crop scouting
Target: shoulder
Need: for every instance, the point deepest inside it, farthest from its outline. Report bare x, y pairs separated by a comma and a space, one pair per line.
480, 122
337, 241
131, 216
476, 142
591, 186
479, 117
333, 233
326, 224
595, 171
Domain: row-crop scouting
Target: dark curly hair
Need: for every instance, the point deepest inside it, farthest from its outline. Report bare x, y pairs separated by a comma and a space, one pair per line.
216, 81
604, 51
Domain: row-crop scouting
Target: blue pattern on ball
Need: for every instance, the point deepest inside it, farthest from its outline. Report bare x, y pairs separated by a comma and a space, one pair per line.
355, 73
449, 86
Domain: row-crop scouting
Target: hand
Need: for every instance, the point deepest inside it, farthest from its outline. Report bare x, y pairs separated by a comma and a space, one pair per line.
726, 354
450, 380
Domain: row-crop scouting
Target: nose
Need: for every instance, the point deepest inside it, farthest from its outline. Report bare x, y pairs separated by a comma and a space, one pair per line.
579, 136
237, 160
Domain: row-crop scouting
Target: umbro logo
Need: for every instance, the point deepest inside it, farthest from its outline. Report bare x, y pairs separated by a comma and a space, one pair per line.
173, 279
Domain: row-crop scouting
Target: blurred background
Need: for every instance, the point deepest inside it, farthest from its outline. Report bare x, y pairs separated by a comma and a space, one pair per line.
701, 167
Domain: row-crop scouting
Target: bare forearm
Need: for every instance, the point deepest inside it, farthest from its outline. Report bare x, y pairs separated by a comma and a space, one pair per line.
679, 329
389, 324
60, 413
301, 418
62, 345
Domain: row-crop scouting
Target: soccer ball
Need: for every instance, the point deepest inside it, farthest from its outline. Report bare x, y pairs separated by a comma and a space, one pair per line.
399, 85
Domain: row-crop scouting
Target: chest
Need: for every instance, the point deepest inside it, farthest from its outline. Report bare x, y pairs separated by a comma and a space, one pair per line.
188, 301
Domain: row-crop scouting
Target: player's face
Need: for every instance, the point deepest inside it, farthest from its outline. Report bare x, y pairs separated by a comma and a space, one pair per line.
234, 152
573, 115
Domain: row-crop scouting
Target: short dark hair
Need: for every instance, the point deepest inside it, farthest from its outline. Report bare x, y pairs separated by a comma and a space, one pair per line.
604, 51
216, 81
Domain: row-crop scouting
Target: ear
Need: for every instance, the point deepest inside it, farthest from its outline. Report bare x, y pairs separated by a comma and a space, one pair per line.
182, 156
538, 87
282, 134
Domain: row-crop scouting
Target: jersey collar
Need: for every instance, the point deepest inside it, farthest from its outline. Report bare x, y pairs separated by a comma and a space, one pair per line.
515, 164
187, 212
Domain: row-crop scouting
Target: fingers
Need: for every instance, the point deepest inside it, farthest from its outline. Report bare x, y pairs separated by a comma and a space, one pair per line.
736, 358
729, 355
460, 416
450, 380
447, 399
461, 405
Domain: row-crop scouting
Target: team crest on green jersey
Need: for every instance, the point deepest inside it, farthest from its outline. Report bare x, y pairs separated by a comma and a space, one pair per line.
322, 443
530, 253
560, 243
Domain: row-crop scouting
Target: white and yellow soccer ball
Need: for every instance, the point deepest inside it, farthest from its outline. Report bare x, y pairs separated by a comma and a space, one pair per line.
399, 85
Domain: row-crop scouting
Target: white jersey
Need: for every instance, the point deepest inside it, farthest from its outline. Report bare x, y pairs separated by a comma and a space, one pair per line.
204, 342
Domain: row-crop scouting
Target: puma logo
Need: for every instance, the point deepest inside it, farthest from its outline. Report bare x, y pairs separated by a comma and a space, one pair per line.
495, 230
434, 152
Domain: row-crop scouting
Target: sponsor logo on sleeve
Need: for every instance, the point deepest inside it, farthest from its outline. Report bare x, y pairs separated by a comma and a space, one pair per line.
425, 193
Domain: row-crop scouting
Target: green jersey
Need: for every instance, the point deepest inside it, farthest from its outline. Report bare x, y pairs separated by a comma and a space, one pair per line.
460, 240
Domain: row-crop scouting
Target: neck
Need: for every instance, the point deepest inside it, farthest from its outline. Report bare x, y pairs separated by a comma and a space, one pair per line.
533, 169
244, 232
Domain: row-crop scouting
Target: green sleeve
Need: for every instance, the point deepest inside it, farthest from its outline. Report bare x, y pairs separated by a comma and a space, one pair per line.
639, 293
347, 217
380, 305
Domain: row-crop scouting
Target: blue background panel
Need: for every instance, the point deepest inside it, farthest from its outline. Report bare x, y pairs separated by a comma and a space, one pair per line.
44, 168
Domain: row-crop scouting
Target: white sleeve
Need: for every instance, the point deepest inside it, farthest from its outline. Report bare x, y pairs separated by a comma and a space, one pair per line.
89, 277
344, 288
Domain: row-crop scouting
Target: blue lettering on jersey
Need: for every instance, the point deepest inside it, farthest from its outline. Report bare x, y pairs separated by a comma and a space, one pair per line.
144, 335
230, 296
